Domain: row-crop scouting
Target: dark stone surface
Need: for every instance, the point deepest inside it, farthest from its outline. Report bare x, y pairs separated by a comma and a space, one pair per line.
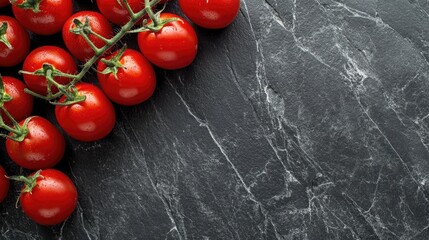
305, 119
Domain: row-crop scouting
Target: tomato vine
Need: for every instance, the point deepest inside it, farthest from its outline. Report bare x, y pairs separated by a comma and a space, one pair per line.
82, 110
84, 29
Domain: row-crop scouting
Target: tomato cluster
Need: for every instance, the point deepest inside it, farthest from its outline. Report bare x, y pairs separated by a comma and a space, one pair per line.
83, 110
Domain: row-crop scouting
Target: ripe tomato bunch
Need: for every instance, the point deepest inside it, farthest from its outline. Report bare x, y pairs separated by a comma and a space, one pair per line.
83, 110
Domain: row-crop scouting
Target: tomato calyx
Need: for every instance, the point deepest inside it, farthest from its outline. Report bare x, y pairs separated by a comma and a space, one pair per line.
34, 5
113, 64
4, 97
49, 72
19, 132
84, 29
156, 23
3, 39
72, 97
30, 183
81, 27
157, 26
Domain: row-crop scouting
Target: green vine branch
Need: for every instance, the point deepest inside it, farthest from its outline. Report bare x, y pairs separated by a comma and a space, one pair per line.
84, 29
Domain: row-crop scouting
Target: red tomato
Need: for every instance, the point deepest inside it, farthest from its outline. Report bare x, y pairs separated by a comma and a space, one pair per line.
42, 148
4, 184
76, 44
21, 104
173, 47
57, 57
135, 82
52, 200
90, 120
19, 41
48, 20
212, 14
116, 13
4, 3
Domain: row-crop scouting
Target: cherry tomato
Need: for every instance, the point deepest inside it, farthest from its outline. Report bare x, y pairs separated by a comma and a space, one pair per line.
76, 44
90, 120
21, 104
212, 14
52, 200
42, 148
4, 184
115, 12
4, 3
173, 47
135, 82
48, 20
18, 39
57, 57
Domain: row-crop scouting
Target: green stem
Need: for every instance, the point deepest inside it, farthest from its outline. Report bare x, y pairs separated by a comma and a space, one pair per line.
9, 129
100, 37
122, 32
20, 132
49, 73
150, 13
30, 182
72, 96
47, 98
7, 136
14, 122
113, 65
49, 88
40, 72
90, 43
61, 74
50, 79
130, 11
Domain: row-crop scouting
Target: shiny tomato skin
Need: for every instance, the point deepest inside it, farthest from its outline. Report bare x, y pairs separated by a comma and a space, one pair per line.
116, 13
4, 184
90, 120
213, 14
18, 38
136, 80
59, 58
42, 148
173, 47
52, 200
21, 104
76, 44
49, 20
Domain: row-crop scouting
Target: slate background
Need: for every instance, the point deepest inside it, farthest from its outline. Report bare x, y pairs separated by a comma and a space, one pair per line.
305, 119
